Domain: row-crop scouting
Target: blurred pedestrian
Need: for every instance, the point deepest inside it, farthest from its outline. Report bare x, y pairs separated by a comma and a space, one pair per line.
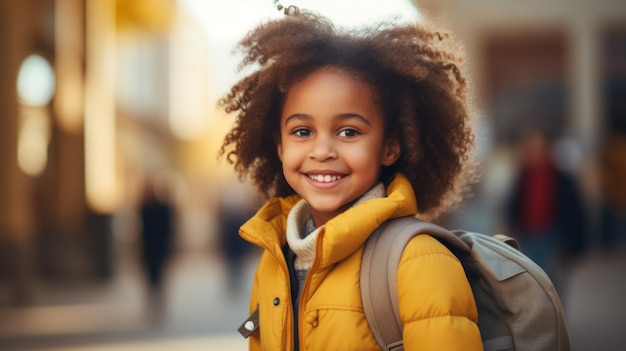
545, 211
237, 204
157, 220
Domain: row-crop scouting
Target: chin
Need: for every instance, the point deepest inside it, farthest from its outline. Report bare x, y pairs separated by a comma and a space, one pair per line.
327, 208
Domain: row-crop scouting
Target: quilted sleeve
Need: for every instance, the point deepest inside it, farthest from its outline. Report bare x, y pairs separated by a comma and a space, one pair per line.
437, 306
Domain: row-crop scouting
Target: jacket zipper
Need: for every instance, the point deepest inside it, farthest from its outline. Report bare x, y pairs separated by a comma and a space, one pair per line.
286, 331
305, 291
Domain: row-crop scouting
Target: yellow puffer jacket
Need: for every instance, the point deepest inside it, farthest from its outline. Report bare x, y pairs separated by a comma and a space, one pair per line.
436, 303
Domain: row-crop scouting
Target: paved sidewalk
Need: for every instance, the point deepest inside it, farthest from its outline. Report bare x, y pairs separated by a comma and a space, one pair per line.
198, 308
198, 343
595, 304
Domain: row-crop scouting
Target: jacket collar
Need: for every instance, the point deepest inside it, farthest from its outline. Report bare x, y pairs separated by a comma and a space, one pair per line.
343, 234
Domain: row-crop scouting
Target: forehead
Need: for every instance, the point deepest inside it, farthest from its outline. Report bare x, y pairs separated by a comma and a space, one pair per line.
354, 76
331, 84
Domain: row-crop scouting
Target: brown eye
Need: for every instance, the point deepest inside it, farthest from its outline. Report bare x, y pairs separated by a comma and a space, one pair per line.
348, 133
302, 132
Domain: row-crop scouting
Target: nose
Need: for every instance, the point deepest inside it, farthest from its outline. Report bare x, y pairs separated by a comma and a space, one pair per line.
323, 148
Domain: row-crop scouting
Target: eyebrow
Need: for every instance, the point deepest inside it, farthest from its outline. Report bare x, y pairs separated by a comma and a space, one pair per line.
342, 117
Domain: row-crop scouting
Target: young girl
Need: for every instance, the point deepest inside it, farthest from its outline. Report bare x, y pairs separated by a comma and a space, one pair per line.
344, 130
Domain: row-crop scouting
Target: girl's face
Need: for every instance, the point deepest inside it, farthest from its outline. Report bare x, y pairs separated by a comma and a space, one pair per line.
332, 141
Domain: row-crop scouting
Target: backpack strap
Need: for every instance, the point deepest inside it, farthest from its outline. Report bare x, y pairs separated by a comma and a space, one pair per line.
379, 272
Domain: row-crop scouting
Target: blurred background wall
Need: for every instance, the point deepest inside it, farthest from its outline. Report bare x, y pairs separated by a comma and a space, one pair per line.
105, 104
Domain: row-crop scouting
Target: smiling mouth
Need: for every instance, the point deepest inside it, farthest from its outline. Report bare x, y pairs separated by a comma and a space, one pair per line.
324, 178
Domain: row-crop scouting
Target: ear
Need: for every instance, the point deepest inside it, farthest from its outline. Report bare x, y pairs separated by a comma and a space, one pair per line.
392, 151
279, 149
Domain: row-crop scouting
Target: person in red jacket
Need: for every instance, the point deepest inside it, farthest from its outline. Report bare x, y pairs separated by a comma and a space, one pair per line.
545, 210
342, 130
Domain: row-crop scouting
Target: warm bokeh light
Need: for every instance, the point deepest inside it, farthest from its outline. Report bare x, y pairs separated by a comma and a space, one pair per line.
68, 104
189, 105
100, 143
33, 139
35, 81
35, 89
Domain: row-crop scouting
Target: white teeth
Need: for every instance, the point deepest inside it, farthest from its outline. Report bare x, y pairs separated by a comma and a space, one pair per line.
324, 178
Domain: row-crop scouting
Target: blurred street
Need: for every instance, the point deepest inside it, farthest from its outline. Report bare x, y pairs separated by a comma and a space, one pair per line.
201, 314
594, 303
198, 312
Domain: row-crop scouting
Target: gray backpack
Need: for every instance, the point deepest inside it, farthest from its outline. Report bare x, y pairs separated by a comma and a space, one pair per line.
518, 306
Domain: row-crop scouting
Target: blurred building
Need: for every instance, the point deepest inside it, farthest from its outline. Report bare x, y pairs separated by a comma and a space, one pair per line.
97, 98
557, 66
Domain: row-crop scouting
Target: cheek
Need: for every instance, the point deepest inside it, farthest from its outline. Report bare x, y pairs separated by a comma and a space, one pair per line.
288, 154
364, 158
372, 151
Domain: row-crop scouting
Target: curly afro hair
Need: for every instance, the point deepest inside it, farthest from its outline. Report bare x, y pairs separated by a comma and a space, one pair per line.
411, 68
